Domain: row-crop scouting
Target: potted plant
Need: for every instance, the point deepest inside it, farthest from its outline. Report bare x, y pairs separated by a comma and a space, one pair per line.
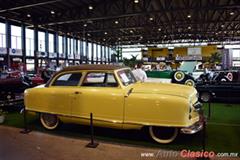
2, 116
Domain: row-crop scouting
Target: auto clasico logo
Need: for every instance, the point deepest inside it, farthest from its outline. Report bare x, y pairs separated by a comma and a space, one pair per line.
197, 154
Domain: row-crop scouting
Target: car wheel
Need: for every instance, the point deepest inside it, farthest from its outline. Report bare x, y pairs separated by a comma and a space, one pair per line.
224, 80
49, 121
190, 82
179, 76
163, 134
205, 96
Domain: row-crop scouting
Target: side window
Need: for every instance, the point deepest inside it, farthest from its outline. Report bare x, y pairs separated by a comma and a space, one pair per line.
97, 79
69, 79
111, 80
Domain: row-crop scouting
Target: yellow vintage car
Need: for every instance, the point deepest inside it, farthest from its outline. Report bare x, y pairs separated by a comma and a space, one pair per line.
116, 100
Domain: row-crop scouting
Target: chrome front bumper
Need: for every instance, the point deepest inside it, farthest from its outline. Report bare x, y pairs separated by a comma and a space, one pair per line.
193, 129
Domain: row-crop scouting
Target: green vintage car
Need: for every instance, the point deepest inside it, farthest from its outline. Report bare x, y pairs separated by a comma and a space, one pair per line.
183, 75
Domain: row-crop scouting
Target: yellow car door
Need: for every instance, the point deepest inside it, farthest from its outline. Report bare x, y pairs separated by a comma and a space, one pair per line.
101, 95
61, 93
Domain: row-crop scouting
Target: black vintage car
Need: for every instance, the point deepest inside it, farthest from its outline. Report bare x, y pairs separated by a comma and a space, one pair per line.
221, 86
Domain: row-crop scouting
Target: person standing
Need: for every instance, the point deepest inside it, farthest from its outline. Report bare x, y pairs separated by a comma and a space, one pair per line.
139, 73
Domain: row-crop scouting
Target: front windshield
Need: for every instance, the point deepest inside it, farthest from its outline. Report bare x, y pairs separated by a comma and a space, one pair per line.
188, 66
126, 77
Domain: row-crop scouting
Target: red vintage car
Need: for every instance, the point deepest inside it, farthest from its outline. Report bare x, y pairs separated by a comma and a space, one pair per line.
12, 86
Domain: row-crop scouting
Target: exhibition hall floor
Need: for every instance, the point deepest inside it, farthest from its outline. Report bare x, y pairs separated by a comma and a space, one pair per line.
41, 146
69, 141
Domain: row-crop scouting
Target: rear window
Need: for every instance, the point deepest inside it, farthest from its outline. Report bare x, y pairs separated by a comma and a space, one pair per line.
100, 79
69, 79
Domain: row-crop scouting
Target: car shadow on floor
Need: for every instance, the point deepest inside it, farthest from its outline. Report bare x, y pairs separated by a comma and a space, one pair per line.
138, 138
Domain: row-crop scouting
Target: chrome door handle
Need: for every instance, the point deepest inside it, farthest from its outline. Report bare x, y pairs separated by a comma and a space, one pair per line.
78, 92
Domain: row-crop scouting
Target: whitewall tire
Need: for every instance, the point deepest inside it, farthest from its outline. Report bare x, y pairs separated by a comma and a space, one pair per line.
49, 121
190, 82
163, 134
179, 76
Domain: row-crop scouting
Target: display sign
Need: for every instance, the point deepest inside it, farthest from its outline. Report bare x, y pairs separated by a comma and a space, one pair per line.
236, 58
84, 58
196, 51
124, 78
17, 60
52, 55
3, 50
15, 52
1, 59
70, 56
77, 56
61, 55
188, 58
145, 59
41, 54
160, 58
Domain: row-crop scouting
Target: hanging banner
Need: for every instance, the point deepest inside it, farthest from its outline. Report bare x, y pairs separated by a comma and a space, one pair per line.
15, 52
3, 50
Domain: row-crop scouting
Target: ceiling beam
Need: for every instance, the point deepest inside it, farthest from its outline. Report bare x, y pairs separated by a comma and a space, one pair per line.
83, 18
29, 6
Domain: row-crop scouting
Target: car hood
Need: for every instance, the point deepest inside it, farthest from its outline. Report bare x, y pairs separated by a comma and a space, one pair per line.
164, 88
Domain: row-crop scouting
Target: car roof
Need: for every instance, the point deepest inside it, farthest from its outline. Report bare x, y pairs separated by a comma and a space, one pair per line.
92, 67
88, 67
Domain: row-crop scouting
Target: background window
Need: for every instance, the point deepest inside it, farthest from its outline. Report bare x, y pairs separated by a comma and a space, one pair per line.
100, 80
16, 34
30, 65
2, 35
68, 47
51, 43
29, 42
60, 44
41, 42
70, 79
79, 46
94, 52
89, 51
84, 48
72, 46
99, 52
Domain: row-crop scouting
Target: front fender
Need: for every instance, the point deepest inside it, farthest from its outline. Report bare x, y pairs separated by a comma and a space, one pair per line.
157, 110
